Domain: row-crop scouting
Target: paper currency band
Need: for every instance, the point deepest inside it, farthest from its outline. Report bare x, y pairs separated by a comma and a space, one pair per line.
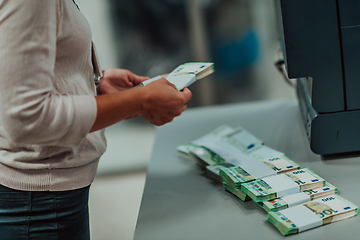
296, 199
302, 217
258, 169
282, 184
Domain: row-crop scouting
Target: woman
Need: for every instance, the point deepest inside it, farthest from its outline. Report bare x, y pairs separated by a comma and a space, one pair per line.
51, 121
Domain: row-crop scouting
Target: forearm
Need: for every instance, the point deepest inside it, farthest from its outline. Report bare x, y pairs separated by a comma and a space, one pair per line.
158, 102
114, 107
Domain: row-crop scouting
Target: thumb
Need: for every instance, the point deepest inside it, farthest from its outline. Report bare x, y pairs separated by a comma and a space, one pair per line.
167, 82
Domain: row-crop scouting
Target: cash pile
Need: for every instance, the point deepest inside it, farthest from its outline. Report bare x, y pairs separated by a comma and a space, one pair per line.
235, 176
252, 171
298, 198
231, 145
213, 171
203, 156
312, 214
272, 187
237, 192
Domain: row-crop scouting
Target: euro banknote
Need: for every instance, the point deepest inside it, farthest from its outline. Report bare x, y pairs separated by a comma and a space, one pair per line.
312, 214
298, 198
225, 144
268, 188
185, 74
199, 69
246, 172
213, 171
201, 155
229, 150
242, 139
237, 192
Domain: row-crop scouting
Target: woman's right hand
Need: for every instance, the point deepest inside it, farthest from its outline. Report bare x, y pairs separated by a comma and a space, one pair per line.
158, 102
163, 102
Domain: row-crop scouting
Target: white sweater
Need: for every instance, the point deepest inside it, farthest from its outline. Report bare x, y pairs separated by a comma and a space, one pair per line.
47, 104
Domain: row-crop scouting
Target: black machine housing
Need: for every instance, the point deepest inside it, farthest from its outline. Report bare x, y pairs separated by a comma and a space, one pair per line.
320, 41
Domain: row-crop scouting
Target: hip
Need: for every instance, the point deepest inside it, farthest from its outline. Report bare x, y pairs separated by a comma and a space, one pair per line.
44, 214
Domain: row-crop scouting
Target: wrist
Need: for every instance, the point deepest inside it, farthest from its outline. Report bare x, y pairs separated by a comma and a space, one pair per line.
142, 97
97, 80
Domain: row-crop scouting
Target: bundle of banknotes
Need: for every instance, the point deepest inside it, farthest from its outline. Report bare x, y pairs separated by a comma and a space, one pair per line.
268, 188
298, 198
312, 214
185, 74
250, 170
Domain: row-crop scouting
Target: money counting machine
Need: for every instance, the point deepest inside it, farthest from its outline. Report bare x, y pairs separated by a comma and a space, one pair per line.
320, 42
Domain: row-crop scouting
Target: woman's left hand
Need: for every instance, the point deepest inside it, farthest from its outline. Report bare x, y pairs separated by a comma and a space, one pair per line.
115, 80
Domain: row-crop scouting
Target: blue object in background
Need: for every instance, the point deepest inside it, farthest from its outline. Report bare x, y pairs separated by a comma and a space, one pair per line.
233, 58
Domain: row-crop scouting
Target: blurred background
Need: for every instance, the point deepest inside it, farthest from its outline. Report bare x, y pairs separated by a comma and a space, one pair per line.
154, 37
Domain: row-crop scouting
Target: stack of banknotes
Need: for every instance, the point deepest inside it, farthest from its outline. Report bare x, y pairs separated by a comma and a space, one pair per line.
268, 188
296, 199
185, 74
312, 214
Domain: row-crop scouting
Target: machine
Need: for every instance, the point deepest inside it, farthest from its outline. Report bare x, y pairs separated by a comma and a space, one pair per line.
320, 42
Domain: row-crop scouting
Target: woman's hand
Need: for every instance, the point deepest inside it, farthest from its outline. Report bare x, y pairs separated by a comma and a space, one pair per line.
115, 80
163, 102
158, 102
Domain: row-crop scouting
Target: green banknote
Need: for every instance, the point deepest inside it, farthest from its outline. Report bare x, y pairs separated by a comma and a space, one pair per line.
298, 198
225, 144
243, 139
213, 171
206, 157
230, 147
185, 74
199, 69
312, 214
201, 155
262, 152
227, 151
281, 164
259, 190
235, 176
184, 151
268, 188
237, 192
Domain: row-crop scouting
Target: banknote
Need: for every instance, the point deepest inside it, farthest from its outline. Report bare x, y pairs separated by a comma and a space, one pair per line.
201, 155
199, 69
298, 198
262, 152
183, 151
236, 146
213, 171
249, 171
185, 74
281, 164
268, 188
243, 139
237, 192
230, 152
312, 214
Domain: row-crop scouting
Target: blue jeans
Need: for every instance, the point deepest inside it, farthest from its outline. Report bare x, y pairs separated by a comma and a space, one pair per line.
44, 215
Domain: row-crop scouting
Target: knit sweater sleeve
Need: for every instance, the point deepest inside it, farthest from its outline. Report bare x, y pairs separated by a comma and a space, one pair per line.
32, 111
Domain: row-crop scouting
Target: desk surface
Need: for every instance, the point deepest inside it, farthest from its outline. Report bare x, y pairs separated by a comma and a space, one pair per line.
179, 202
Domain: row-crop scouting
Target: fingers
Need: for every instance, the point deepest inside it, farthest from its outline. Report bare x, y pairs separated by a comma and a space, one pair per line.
164, 102
136, 79
187, 94
123, 76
